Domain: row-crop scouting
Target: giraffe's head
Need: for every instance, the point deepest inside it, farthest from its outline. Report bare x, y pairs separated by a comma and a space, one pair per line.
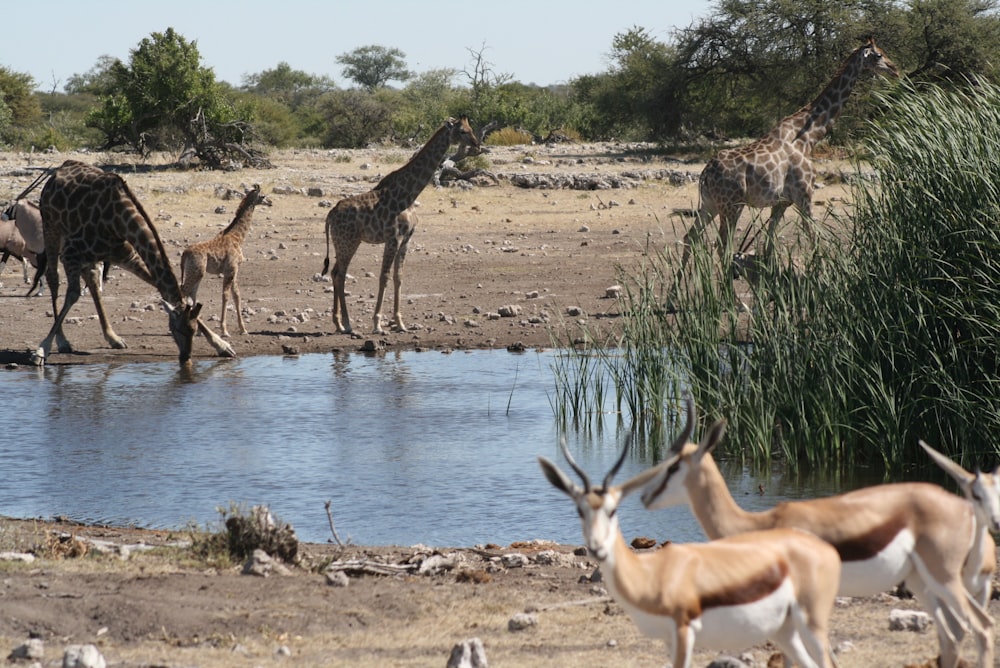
183, 327
873, 59
460, 132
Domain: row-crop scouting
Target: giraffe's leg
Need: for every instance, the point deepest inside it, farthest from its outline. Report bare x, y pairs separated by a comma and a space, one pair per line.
777, 211
227, 284
693, 236
222, 347
72, 295
729, 217
91, 276
344, 253
397, 278
388, 260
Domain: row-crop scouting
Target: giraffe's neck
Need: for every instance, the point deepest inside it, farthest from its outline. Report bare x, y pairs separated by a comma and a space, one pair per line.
810, 124
240, 227
146, 241
406, 183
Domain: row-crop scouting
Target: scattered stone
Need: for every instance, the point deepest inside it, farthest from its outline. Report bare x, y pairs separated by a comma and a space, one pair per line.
643, 543
26, 557
468, 654
262, 564
613, 292
372, 346
726, 661
574, 311
522, 621
514, 560
285, 190
315, 191
337, 579
83, 656
909, 620
282, 651
509, 311
437, 563
32, 650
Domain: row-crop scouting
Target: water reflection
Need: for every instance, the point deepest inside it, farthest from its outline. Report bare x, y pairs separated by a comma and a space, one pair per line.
409, 447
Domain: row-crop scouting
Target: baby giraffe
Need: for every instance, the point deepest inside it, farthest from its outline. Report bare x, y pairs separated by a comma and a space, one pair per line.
221, 254
778, 584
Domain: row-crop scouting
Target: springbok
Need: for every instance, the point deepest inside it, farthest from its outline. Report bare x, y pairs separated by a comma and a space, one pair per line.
982, 490
21, 237
727, 594
913, 532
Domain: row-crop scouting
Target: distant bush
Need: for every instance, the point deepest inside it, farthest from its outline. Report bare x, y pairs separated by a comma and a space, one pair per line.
509, 137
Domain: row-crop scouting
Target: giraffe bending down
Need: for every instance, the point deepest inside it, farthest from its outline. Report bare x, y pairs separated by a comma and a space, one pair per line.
776, 170
92, 216
383, 215
222, 254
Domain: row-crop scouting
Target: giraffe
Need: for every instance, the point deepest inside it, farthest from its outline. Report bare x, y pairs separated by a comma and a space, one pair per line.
92, 216
222, 254
383, 215
776, 170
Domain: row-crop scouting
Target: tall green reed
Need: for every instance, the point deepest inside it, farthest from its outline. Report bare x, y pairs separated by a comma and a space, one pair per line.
863, 345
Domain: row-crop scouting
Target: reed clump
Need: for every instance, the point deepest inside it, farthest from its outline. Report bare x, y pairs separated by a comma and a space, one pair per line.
884, 332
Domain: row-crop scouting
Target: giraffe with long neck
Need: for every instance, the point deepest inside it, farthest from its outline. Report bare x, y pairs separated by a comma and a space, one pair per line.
383, 215
777, 170
92, 216
222, 254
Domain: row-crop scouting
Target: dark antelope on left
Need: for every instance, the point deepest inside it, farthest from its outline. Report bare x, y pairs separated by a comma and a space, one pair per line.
90, 217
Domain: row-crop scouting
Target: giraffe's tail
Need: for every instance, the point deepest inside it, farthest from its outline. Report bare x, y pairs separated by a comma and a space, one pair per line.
326, 266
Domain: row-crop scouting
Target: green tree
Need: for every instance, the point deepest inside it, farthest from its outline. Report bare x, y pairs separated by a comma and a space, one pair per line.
164, 99
748, 64
98, 80
285, 85
954, 39
372, 67
20, 111
625, 101
354, 119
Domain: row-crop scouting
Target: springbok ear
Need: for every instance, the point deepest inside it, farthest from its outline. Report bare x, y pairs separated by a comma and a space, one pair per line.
641, 480
557, 477
685, 435
712, 438
195, 311
961, 476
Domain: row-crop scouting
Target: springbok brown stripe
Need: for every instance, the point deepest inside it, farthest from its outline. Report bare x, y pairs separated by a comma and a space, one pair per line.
867, 545
758, 587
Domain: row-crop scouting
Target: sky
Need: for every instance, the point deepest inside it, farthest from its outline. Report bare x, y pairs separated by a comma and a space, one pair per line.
540, 42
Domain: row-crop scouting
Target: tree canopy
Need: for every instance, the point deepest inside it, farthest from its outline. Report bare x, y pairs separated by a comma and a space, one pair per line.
164, 99
373, 66
733, 72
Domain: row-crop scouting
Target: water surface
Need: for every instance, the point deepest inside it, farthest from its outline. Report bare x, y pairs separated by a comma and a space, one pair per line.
409, 447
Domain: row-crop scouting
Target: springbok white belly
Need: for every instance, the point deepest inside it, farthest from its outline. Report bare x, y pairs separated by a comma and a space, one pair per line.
880, 573
729, 627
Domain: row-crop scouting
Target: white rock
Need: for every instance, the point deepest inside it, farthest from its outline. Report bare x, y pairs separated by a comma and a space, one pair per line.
83, 656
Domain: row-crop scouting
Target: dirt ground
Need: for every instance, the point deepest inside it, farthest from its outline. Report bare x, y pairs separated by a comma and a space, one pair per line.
552, 253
